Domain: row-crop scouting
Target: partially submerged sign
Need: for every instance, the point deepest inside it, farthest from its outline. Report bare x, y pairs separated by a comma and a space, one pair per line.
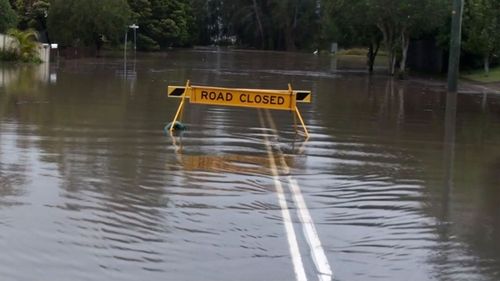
254, 98
300, 96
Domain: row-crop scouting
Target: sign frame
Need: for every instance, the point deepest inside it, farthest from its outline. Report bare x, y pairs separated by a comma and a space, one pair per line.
239, 97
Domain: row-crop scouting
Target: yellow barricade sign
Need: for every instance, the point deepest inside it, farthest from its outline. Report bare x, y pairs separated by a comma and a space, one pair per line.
254, 98
243, 98
300, 96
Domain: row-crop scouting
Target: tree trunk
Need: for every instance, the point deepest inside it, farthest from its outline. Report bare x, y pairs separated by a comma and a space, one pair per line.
393, 65
388, 36
405, 43
487, 65
369, 57
372, 54
259, 23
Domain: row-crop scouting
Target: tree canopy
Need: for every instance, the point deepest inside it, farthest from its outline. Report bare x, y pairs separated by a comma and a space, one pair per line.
261, 24
88, 22
162, 23
481, 28
8, 17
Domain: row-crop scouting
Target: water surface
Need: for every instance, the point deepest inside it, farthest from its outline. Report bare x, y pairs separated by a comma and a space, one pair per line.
401, 180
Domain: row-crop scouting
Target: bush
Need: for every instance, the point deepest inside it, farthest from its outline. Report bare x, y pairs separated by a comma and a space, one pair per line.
9, 55
26, 46
145, 43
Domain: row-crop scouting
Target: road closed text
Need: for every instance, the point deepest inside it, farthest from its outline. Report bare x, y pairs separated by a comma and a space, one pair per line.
271, 100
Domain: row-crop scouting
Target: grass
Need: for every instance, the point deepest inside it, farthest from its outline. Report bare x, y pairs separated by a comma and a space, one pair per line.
358, 52
479, 76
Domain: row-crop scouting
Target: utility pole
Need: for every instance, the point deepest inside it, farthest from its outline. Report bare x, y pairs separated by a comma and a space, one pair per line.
455, 42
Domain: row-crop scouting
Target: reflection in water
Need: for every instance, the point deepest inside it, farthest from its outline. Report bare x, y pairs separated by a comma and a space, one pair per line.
449, 142
91, 188
238, 164
20, 77
128, 74
444, 255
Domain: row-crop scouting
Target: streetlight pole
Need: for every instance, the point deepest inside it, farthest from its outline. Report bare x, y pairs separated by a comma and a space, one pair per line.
135, 27
455, 42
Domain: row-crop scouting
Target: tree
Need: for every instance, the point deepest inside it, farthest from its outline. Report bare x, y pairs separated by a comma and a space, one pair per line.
399, 20
211, 23
163, 23
272, 24
481, 28
358, 26
32, 13
88, 22
25, 44
7, 16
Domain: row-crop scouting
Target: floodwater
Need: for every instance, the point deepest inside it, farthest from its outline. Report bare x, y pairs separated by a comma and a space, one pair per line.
400, 179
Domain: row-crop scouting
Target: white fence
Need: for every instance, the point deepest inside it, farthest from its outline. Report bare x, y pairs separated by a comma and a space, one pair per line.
6, 42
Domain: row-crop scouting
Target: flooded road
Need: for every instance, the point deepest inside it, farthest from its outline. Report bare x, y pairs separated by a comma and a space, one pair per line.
400, 180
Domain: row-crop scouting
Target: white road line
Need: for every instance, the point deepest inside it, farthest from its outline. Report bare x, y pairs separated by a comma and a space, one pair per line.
298, 266
318, 254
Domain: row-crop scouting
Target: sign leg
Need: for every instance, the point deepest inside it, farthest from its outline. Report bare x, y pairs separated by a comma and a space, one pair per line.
302, 122
181, 105
294, 121
180, 110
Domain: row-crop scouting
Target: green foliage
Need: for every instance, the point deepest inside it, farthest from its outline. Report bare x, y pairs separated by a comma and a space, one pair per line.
270, 24
8, 17
32, 13
24, 47
396, 20
479, 76
163, 23
88, 22
9, 55
481, 27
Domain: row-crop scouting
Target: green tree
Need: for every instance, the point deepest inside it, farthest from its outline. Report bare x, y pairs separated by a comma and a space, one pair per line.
163, 23
273, 24
357, 26
481, 28
88, 22
141, 15
394, 22
25, 44
32, 13
400, 20
7, 16
210, 21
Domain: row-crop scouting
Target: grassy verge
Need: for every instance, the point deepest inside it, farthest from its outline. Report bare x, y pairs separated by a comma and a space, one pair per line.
359, 52
479, 76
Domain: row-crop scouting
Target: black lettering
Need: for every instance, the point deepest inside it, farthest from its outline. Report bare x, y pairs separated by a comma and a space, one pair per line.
229, 97
265, 99
273, 100
243, 98
258, 99
220, 96
204, 95
212, 95
281, 100
249, 99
